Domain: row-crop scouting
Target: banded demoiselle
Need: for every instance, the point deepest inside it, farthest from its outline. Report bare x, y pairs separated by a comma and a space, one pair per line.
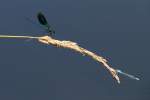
42, 20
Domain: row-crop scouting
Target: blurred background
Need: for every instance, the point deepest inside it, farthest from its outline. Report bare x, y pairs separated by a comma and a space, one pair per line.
119, 30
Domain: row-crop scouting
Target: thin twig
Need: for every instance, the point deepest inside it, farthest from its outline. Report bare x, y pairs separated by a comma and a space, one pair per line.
11, 36
70, 45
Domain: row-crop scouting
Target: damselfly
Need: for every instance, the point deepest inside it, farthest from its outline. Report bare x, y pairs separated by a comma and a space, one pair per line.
42, 20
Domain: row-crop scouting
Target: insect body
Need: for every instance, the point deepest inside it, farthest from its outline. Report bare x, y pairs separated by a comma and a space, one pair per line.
128, 75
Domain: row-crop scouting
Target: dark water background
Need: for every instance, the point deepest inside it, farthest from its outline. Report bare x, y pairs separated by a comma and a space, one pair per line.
119, 30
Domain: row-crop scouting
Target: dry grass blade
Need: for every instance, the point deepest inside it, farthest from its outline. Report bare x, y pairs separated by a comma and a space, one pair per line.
70, 45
